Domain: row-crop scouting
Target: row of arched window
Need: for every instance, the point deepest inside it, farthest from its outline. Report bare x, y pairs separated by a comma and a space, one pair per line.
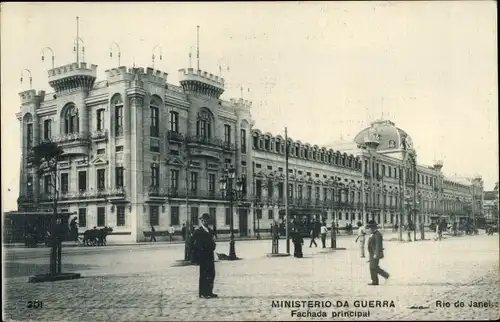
298, 150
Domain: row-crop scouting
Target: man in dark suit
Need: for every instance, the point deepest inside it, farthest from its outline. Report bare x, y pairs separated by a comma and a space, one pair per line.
376, 252
204, 246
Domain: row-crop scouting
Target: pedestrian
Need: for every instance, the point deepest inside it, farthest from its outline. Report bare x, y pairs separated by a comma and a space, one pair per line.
204, 247
298, 241
171, 232
183, 231
73, 228
324, 230
375, 252
215, 231
312, 234
409, 229
361, 238
153, 232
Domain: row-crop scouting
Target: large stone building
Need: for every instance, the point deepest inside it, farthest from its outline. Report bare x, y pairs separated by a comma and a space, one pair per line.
374, 177
141, 152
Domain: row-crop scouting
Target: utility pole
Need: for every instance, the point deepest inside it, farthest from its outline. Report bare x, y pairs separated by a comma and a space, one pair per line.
402, 197
77, 41
286, 197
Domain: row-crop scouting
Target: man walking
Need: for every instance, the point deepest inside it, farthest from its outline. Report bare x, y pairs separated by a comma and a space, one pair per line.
171, 232
375, 252
324, 230
313, 234
361, 238
204, 246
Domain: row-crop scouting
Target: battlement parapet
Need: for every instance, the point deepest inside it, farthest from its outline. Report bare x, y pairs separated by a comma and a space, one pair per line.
72, 76
149, 75
241, 103
31, 96
189, 74
72, 69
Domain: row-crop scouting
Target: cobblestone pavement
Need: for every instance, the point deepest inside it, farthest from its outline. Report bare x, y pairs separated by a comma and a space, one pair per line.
141, 284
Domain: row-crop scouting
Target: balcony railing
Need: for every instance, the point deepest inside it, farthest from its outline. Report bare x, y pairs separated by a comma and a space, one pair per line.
99, 135
179, 137
82, 195
71, 138
194, 194
157, 192
210, 142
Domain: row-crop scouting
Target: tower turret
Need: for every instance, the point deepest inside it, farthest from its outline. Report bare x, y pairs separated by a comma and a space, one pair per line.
75, 76
200, 82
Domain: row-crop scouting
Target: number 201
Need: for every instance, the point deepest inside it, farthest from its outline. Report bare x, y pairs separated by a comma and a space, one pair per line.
34, 304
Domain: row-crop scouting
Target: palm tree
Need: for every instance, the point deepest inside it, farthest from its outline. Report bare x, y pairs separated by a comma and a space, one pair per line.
44, 157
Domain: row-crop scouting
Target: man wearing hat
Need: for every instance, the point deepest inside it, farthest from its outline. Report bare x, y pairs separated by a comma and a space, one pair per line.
204, 246
376, 252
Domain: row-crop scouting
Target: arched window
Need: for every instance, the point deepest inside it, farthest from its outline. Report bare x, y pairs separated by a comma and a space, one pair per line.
117, 103
204, 124
28, 124
154, 110
71, 120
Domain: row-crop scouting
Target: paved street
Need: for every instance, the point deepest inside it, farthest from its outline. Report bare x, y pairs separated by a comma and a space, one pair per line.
139, 283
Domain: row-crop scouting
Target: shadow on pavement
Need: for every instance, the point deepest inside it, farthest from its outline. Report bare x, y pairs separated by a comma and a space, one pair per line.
28, 269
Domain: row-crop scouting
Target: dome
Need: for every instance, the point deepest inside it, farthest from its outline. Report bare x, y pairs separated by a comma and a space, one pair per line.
389, 136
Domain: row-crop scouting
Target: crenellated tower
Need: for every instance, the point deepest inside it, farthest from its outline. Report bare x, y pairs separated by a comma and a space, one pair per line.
201, 82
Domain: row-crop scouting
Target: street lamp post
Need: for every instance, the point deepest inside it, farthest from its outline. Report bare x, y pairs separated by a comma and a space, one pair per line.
53, 57
111, 51
31, 78
153, 53
76, 43
226, 188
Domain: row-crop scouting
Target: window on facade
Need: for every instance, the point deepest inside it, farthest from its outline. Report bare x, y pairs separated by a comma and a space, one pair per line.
299, 191
154, 215
101, 151
195, 216
29, 139
213, 215
290, 190
270, 188
227, 133
82, 181
270, 214
309, 192
101, 216
47, 129
119, 120
155, 122
119, 148
193, 181
174, 121
71, 120
64, 182
228, 217
211, 183
325, 193
258, 213
280, 189
243, 141
47, 184
174, 215
174, 179
203, 124
155, 175
119, 177
82, 217
120, 215
316, 190
101, 179
100, 119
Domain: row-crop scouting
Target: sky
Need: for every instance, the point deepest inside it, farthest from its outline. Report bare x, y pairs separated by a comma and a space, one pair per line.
324, 70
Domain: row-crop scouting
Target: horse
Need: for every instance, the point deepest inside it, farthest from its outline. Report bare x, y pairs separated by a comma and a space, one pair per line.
96, 237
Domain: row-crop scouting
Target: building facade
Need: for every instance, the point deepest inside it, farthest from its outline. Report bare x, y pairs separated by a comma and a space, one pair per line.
140, 152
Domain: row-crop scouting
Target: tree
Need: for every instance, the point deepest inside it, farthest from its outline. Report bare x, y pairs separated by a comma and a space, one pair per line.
44, 157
